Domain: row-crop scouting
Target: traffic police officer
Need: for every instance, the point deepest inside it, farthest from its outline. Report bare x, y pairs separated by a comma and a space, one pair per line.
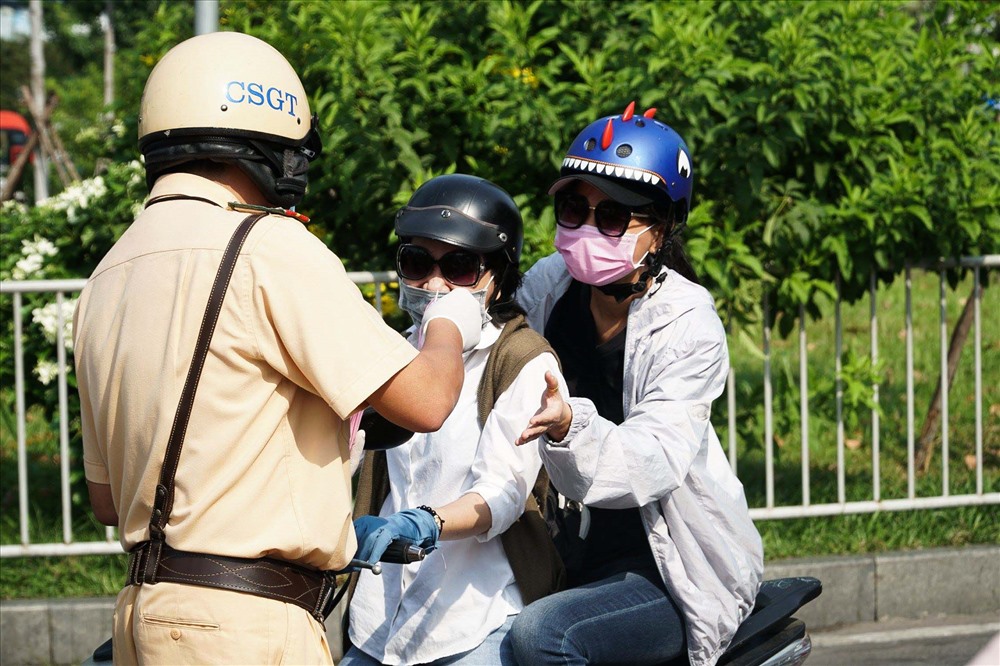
263, 480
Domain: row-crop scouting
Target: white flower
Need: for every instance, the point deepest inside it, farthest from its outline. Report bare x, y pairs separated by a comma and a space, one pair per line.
46, 371
76, 197
13, 207
39, 245
137, 177
27, 266
47, 317
33, 253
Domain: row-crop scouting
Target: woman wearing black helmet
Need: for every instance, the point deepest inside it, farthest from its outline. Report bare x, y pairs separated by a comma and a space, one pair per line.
669, 561
467, 483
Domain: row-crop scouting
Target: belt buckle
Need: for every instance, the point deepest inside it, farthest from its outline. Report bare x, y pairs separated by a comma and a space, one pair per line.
137, 563
326, 591
148, 561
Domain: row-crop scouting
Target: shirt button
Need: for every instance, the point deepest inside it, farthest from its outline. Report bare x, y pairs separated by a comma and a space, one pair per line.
175, 634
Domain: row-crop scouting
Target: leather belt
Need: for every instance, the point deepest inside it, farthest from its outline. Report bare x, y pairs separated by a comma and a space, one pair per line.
264, 577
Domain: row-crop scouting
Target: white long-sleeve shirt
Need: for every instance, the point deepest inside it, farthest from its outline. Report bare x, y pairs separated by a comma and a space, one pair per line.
464, 590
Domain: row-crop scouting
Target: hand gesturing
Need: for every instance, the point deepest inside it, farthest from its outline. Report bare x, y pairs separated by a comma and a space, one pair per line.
552, 418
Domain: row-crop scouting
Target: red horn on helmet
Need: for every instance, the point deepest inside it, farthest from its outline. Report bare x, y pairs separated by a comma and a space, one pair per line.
629, 110
609, 134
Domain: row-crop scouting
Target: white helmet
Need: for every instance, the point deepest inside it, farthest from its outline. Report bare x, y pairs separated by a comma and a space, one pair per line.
229, 97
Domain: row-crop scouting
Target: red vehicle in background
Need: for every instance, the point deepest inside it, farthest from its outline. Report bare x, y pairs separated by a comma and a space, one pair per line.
14, 133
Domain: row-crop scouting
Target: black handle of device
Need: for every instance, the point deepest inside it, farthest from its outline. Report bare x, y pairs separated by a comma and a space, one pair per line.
400, 552
381, 433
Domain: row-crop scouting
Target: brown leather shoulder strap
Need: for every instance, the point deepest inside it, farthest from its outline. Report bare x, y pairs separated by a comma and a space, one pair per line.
164, 498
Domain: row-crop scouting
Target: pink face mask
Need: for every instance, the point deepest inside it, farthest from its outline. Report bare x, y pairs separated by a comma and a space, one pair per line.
596, 259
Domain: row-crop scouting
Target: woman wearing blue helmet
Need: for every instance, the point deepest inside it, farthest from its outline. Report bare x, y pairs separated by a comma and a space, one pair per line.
668, 561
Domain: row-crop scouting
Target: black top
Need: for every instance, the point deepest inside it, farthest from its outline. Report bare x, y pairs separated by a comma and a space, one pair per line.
617, 537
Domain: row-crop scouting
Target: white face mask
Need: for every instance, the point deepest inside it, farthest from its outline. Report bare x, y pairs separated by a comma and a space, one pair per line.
414, 300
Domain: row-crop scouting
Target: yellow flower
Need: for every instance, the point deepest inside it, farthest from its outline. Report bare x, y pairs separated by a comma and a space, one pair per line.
526, 74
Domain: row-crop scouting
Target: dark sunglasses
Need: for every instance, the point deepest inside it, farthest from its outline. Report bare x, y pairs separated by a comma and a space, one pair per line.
459, 267
612, 218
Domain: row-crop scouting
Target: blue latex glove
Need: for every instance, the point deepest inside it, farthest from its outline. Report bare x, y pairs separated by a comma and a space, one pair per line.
414, 526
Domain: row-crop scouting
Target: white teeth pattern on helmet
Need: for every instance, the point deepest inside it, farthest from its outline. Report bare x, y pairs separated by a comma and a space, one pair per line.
611, 170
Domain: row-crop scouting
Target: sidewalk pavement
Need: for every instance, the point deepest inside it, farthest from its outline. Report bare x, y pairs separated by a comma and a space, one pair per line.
856, 589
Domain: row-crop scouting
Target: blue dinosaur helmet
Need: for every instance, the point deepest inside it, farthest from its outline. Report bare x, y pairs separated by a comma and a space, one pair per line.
635, 160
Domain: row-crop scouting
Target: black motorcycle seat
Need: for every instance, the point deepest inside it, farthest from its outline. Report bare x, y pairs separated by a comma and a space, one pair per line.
776, 601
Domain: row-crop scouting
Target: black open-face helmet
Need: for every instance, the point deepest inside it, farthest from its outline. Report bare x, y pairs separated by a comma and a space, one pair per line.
466, 211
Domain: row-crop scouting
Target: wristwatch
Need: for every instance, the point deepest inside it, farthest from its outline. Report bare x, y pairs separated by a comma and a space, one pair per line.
438, 520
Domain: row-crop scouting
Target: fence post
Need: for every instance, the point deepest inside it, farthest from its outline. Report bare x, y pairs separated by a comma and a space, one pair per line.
839, 344
876, 470
804, 403
910, 452
943, 303
978, 339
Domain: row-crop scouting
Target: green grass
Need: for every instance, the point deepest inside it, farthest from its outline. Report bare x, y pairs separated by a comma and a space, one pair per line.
879, 532
849, 534
65, 577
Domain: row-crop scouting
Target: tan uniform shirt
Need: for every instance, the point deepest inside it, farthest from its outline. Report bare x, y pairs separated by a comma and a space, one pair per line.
264, 468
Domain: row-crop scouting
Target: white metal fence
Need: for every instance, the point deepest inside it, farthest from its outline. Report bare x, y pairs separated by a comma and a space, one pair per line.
70, 546
877, 503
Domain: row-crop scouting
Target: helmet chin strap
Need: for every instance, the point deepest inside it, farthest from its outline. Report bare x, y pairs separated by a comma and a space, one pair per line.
624, 290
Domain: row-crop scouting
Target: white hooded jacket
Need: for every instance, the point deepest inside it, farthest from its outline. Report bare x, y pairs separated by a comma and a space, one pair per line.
665, 457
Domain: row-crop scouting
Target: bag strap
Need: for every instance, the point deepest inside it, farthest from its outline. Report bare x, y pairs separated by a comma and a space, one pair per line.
163, 500
517, 345
533, 558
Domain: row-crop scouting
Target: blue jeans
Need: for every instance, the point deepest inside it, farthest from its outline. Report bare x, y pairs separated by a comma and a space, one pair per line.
494, 651
623, 618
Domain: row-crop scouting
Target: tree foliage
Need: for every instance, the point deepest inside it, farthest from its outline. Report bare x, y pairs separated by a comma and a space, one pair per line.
830, 139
